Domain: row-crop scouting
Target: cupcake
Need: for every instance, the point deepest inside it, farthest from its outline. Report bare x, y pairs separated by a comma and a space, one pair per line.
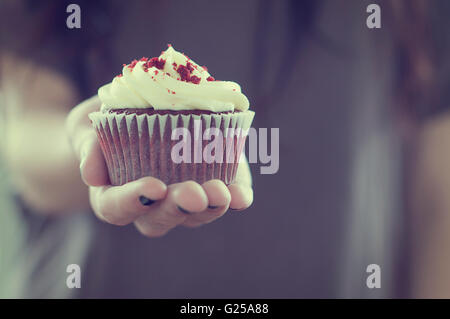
167, 117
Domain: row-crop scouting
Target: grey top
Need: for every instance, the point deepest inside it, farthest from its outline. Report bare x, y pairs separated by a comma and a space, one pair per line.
332, 209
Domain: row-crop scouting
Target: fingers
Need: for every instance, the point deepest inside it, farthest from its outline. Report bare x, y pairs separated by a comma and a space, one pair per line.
182, 200
78, 115
192, 205
94, 171
85, 143
219, 199
78, 125
241, 196
155, 208
149, 203
121, 205
243, 175
241, 191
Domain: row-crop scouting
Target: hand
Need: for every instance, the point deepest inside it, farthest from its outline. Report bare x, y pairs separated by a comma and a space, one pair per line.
152, 206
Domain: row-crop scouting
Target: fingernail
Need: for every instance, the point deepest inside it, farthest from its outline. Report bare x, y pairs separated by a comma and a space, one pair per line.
212, 207
184, 211
146, 201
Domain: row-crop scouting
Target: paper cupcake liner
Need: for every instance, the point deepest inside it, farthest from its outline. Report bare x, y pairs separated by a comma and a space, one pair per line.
141, 145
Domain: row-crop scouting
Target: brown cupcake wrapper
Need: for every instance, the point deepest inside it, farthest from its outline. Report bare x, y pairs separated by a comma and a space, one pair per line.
135, 146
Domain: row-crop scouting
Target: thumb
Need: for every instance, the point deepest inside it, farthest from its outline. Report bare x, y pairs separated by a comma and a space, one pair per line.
93, 167
83, 140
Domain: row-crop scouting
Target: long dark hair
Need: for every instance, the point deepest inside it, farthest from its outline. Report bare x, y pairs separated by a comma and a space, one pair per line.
36, 31
415, 94
42, 39
299, 25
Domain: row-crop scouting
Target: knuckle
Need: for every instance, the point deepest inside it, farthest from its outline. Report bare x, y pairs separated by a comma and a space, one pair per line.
216, 213
175, 215
197, 221
216, 184
190, 183
192, 224
152, 231
160, 226
113, 219
192, 188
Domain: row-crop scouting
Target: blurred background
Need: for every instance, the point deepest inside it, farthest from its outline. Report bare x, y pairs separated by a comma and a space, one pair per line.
364, 172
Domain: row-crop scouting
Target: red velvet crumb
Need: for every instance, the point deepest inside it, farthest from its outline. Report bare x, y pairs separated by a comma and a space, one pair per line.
185, 73
190, 66
132, 64
155, 62
195, 79
210, 78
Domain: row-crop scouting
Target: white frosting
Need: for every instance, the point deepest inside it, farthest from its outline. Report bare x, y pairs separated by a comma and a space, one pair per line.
164, 90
